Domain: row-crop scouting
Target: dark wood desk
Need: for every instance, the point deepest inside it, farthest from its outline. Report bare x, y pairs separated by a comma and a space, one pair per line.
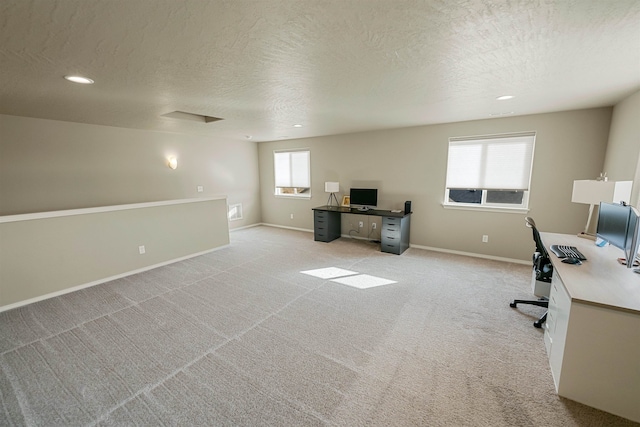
394, 232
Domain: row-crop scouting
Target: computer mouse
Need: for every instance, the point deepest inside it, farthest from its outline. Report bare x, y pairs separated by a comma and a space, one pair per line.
570, 260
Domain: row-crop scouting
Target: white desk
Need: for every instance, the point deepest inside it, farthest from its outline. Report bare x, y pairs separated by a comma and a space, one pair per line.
592, 333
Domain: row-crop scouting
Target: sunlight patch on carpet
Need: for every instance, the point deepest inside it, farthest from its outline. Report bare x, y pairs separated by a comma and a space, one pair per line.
363, 281
329, 272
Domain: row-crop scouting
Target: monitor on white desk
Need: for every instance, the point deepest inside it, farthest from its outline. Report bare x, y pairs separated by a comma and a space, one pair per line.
619, 224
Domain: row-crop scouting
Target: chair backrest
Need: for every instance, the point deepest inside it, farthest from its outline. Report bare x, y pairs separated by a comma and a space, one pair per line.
541, 262
536, 236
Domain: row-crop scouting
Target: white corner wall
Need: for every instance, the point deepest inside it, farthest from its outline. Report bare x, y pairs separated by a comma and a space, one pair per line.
622, 162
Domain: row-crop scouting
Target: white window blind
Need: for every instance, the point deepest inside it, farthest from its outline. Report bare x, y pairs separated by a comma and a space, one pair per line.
490, 163
292, 169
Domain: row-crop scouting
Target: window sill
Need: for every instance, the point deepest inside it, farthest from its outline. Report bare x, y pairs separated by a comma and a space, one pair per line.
286, 196
499, 209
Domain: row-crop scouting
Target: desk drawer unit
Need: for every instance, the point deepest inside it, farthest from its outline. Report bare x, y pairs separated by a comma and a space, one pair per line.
326, 226
556, 326
394, 234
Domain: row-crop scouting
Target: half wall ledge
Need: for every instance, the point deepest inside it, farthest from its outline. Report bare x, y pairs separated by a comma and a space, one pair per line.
50, 253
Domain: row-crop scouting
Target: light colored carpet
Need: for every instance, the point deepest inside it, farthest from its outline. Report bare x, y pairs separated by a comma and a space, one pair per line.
241, 337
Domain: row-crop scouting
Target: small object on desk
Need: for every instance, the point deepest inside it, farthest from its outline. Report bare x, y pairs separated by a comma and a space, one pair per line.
636, 270
572, 260
586, 236
601, 242
396, 210
623, 261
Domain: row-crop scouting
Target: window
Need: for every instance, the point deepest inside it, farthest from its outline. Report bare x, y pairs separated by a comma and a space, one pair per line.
490, 171
292, 176
235, 212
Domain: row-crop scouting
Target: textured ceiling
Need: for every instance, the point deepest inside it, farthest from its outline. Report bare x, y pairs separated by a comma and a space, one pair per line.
333, 66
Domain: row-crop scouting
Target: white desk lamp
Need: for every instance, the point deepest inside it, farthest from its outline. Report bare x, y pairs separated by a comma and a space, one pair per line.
592, 192
333, 188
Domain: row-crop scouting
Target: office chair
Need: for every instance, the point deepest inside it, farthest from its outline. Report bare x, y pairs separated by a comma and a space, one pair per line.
542, 271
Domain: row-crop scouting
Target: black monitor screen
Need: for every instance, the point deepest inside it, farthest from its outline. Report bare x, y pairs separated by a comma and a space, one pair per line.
364, 196
613, 224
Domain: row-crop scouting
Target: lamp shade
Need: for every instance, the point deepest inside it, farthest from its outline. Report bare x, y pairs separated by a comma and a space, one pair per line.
331, 187
593, 192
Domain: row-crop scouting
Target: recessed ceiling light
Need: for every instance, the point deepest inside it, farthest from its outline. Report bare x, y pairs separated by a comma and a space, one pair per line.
504, 97
297, 126
79, 79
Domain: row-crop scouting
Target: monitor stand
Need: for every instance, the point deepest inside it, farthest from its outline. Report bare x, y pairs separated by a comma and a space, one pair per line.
364, 208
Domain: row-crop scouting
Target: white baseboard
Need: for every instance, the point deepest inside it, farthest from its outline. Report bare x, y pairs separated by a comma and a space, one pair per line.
429, 248
104, 280
244, 227
471, 254
288, 228
348, 236
129, 273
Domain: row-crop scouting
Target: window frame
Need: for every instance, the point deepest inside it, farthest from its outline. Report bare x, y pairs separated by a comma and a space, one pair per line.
297, 192
234, 212
484, 205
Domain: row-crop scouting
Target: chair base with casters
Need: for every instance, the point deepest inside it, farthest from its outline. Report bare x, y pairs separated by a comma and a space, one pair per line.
542, 302
540, 277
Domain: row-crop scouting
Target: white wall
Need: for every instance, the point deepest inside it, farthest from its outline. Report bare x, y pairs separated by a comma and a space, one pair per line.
622, 162
410, 164
48, 165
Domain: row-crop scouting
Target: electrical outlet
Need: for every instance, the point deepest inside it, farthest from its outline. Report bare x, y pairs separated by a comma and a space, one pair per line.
200, 188
374, 225
361, 224
291, 216
141, 249
485, 238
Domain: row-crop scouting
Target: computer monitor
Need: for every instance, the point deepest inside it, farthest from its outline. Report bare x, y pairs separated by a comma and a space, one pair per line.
633, 237
363, 198
619, 225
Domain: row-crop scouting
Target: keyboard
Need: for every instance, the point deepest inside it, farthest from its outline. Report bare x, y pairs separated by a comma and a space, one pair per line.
563, 251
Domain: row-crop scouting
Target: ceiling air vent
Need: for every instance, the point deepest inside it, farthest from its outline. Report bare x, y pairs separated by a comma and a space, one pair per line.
181, 115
